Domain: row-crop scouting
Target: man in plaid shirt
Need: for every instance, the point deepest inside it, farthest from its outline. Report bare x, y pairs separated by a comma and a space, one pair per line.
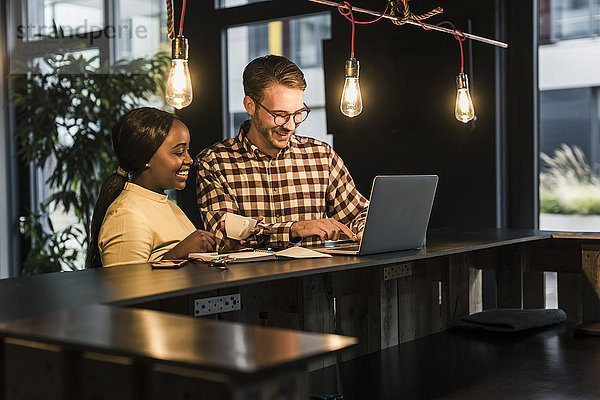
299, 185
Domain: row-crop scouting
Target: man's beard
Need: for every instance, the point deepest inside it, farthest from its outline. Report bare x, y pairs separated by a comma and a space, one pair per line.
260, 128
265, 132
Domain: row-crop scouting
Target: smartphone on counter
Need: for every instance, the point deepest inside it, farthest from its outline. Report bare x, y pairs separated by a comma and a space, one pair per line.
168, 264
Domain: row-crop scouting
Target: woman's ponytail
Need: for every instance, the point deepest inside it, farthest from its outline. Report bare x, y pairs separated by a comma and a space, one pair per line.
111, 189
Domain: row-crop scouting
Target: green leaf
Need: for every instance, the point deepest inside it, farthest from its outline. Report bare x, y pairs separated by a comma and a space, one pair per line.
85, 103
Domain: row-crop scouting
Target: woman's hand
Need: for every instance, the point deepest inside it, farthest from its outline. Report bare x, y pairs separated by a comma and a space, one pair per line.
198, 241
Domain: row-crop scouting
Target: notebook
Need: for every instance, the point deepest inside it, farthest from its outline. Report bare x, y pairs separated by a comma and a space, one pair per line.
249, 255
397, 218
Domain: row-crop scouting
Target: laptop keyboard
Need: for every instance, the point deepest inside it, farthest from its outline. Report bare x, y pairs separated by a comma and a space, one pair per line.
343, 246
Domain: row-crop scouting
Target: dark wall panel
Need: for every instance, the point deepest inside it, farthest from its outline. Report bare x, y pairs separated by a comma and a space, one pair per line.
408, 81
204, 116
408, 125
521, 21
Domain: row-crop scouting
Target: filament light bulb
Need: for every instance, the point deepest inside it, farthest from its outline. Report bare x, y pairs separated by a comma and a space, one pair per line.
179, 84
463, 110
351, 103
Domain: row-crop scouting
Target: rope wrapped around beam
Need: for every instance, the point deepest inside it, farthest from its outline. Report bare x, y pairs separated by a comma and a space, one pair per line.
400, 7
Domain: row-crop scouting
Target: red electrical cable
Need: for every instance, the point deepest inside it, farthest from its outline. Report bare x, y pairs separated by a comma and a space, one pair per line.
181, 19
346, 10
458, 35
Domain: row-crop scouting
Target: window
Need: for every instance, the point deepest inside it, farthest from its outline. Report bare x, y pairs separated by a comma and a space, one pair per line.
133, 29
76, 17
569, 121
596, 18
142, 28
298, 39
234, 3
573, 19
309, 30
139, 26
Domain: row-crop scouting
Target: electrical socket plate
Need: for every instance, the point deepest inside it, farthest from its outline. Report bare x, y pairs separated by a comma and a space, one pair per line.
397, 271
219, 304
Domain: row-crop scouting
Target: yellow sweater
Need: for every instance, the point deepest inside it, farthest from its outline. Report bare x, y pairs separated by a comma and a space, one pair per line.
141, 226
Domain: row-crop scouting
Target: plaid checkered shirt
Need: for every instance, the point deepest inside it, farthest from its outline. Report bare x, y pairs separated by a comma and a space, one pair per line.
307, 180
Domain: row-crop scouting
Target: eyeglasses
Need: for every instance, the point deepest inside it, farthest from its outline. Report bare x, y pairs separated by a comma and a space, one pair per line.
281, 118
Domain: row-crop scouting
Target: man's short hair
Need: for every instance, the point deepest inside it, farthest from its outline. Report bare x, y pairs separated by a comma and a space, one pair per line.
262, 72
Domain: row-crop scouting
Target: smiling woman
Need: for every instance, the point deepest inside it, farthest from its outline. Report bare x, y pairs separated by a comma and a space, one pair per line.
168, 168
134, 221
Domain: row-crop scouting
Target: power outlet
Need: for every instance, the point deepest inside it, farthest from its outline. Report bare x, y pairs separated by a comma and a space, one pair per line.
397, 271
219, 304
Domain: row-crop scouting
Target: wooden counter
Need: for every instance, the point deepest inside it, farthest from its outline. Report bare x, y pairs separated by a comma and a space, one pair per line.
103, 352
384, 300
136, 284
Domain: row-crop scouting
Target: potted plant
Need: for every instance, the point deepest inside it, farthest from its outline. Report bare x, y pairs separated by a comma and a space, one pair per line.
65, 109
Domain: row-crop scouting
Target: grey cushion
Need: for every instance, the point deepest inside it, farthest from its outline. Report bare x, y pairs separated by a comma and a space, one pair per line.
510, 319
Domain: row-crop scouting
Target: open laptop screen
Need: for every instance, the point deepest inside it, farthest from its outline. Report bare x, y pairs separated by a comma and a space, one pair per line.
398, 215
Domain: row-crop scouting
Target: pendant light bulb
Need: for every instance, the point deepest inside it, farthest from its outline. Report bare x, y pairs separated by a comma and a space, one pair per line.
351, 103
463, 110
179, 84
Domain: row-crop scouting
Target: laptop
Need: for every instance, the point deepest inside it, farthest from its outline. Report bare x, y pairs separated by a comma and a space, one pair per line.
397, 218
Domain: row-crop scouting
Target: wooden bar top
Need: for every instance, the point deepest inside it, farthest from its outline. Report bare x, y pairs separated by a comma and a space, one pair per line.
172, 339
135, 284
576, 235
